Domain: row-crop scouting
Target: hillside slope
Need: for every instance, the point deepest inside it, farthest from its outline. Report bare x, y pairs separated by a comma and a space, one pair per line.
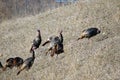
94, 59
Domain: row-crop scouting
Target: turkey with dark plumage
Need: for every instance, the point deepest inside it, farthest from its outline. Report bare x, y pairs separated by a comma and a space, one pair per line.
27, 64
36, 42
88, 33
56, 44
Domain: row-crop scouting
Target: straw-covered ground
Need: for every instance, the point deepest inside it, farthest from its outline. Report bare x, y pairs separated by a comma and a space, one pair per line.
94, 59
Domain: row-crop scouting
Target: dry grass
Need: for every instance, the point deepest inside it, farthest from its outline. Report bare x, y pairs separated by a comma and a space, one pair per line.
95, 59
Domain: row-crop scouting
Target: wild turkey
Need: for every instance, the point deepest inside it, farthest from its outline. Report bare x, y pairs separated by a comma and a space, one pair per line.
58, 48
36, 42
18, 62
27, 64
13, 62
56, 44
9, 63
88, 33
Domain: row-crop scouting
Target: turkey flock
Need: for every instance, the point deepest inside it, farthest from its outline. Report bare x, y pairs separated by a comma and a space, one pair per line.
55, 47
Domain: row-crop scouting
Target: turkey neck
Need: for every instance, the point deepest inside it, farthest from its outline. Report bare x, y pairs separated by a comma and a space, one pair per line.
33, 54
39, 35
